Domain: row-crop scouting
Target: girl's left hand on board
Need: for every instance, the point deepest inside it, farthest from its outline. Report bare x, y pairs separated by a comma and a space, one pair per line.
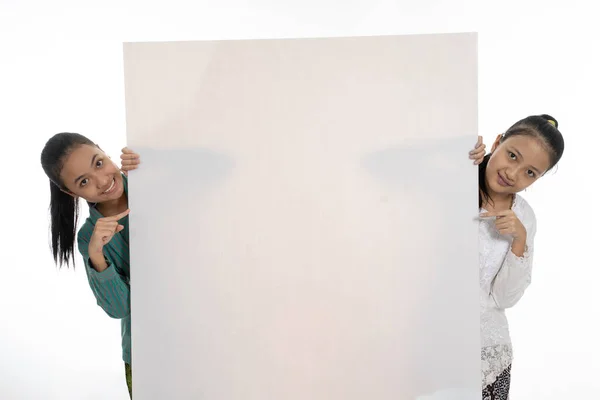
507, 223
478, 153
129, 160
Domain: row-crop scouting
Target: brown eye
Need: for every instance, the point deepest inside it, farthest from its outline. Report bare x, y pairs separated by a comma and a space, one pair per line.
512, 155
531, 173
83, 182
99, 163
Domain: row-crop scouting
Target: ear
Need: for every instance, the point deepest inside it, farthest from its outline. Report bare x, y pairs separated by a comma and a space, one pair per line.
73, 195
496, 143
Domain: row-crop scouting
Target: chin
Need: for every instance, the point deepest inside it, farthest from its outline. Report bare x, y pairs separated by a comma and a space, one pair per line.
118, 193
501, 190
494, 187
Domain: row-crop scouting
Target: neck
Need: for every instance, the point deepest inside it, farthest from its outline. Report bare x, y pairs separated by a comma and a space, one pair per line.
499, 200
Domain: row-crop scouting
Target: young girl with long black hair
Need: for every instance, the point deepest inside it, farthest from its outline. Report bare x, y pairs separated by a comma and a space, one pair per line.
78, 168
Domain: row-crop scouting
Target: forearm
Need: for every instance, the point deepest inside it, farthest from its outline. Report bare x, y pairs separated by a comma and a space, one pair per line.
514, 276
97, 261
110, 288
109, 285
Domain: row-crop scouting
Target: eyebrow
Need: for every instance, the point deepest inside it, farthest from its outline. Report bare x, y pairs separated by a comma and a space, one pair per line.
521, 156
91, 164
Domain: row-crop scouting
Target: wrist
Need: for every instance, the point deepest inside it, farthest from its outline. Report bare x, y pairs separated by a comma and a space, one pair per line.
522, 238
95, 251
519, 246
97, 260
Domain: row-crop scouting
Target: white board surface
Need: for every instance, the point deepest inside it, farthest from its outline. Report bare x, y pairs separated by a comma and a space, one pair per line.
303, 221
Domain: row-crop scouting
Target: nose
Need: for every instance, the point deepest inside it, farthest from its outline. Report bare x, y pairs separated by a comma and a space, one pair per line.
511, 174
103, 181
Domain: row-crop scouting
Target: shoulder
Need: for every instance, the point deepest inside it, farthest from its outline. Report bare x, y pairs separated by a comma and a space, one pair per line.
85, 232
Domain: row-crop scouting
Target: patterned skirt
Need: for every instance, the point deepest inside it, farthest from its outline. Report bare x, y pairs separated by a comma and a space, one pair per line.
499, 389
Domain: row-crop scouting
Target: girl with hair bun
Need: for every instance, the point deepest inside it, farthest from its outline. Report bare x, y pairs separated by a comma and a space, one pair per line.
519, 157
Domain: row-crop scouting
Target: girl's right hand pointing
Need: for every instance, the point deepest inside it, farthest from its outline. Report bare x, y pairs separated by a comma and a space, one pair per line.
104, 230
478, 153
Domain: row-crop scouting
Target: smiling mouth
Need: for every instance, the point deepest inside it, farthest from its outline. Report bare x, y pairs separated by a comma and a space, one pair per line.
504, 181
112, 186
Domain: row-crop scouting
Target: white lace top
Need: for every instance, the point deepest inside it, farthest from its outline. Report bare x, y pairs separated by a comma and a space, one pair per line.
503, 280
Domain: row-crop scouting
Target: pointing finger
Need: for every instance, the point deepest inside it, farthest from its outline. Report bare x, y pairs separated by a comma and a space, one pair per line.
498, 214
118, 216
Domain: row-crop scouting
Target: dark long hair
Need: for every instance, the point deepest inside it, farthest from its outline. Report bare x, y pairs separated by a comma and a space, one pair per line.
543, 127
64, 208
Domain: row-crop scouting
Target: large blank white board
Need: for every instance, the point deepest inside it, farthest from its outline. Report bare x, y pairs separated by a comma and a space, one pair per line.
303, 221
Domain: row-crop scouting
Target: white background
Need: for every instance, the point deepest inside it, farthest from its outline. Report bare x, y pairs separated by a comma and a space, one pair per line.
61, 70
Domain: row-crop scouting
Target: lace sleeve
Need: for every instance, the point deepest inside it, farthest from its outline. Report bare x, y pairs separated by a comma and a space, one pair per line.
514, 275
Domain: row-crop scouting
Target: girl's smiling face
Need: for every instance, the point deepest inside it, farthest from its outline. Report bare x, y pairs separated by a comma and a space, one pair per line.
516, 163
90, 174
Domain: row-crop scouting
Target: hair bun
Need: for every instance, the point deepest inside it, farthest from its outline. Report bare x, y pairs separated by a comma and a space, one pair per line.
550, 119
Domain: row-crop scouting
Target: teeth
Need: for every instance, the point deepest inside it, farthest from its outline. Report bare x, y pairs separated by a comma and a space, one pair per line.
111, 186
